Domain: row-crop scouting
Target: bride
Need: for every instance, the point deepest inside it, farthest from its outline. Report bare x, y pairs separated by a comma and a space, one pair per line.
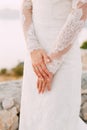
51, 89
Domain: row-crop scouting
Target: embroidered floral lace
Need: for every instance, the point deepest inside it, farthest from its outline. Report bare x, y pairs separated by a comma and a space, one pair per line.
69, 32
31, 39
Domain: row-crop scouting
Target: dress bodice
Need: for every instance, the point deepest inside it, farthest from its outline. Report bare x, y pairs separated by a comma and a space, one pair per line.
51, 11
49, 16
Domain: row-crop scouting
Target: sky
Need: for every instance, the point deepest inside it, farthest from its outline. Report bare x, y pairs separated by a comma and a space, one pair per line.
12, 44
11, 37
15, 4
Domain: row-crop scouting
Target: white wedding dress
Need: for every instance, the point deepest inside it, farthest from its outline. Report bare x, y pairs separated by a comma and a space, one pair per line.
59, 108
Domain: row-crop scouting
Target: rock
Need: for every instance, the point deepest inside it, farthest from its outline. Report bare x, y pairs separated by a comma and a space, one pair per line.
10, 97
8, 119
84, 59
84, 91
7, 103
10, 94
84, 111
84, 98
84, 80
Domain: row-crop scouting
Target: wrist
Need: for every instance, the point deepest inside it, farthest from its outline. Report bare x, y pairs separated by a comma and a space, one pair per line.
56, 55
53, 66
35, 51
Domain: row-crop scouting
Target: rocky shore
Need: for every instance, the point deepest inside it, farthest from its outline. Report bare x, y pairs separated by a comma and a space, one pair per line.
10, 97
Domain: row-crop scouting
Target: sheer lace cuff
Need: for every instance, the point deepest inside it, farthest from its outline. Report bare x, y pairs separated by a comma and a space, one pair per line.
32, 41
55, 65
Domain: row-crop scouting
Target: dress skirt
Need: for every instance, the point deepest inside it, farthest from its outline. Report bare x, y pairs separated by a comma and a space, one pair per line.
59, 108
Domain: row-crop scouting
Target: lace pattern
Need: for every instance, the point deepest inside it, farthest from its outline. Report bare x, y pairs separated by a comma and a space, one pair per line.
68, 34
31, 38
55, 65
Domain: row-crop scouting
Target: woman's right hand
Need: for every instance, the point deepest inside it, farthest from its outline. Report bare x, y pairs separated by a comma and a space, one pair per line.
39, 59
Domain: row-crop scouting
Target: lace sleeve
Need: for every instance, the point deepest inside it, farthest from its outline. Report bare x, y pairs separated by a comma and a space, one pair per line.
28, 26
69, 32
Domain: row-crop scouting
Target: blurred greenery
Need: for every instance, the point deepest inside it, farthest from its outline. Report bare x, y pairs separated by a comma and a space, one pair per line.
18, 70
3, 71
84, 45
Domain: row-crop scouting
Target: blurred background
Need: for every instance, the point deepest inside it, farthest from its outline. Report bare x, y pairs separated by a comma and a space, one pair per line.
12, 53
12, 46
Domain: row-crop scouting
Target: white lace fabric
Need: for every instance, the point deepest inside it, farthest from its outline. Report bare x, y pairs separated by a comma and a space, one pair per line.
31, 39
66, 36
68, 33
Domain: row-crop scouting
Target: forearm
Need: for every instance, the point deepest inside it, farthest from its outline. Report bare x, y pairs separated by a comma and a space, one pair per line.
69, 32
28, 26
26, 12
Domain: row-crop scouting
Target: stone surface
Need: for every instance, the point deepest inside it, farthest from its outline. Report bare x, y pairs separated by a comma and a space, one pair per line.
83, 111
10, 97
8, 119
84, 59
84, 80
7, 103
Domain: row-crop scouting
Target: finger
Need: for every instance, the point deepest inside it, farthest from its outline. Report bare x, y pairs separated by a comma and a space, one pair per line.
43, 87
49, 82
44, 68
40, 85
43, 72
37, 84
51, 76
49, 85
36, 70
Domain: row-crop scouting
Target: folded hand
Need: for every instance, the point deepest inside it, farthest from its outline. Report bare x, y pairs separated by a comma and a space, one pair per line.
39, 60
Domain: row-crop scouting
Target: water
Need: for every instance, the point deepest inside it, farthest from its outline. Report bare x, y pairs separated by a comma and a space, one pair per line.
12, 43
